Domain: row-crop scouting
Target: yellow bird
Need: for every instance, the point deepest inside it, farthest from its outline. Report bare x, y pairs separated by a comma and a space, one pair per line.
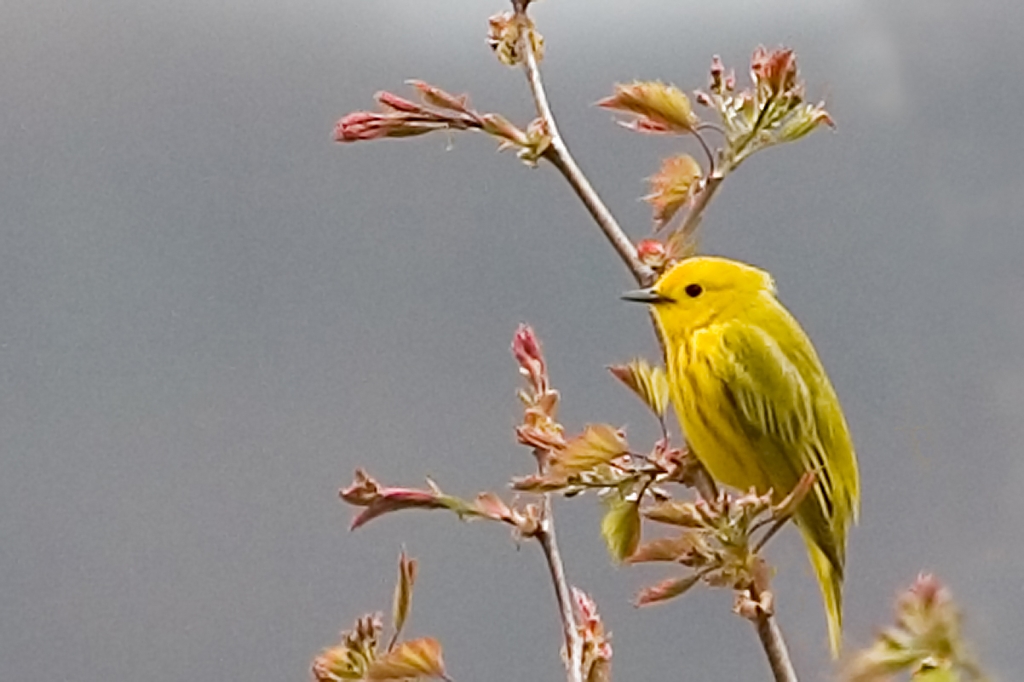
755, 403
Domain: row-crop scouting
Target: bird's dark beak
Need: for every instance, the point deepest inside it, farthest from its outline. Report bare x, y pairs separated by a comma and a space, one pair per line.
648, 295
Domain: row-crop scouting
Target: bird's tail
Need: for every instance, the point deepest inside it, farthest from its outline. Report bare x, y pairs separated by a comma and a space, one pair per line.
831, 581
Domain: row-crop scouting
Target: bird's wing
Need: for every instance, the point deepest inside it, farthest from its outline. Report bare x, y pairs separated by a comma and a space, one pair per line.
774, 405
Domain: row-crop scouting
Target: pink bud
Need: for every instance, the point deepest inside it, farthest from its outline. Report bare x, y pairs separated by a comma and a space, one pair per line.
377, 499
776, 69
396, 499
397, 103
928, 589
361, 125
717, 68
527, 352
525, 343
650, 250
717, 71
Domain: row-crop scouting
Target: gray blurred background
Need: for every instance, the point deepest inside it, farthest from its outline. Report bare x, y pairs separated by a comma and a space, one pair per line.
210, 315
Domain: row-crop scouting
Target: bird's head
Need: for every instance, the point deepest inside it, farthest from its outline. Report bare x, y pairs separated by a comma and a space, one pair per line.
699, 291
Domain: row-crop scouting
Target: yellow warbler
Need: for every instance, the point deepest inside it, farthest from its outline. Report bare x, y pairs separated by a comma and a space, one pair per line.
755, 403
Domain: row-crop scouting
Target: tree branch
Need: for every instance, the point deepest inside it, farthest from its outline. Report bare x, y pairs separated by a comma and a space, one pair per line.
775, 648
573, 640
688, 228
773, 642
558, 154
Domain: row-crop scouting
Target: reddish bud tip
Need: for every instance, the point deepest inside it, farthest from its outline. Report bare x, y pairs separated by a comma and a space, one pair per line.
775, 69
525, 345
928, 589
527, 352
650, 248
396, 103
360, 125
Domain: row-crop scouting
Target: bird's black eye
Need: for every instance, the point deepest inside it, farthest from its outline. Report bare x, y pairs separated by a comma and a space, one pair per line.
694, 290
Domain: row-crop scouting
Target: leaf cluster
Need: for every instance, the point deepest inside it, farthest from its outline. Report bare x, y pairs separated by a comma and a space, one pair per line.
718, 538
359, 655
770, 111
925, 642
439, 110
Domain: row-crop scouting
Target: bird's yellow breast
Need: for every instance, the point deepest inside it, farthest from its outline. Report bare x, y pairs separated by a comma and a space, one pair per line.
702, 404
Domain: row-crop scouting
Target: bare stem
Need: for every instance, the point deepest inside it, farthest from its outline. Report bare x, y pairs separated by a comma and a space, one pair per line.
775, 648
707, 150
691, 222
774, 644
558, 154
573, 640
776, 527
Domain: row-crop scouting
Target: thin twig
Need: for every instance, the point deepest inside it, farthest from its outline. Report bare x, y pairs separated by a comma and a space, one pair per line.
708, 125
691, 222
573, 640
774, 644
775, 648
776, 527
558, 154
707, 151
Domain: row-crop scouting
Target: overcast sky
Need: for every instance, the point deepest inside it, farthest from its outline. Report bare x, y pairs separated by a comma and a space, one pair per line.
210, 315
